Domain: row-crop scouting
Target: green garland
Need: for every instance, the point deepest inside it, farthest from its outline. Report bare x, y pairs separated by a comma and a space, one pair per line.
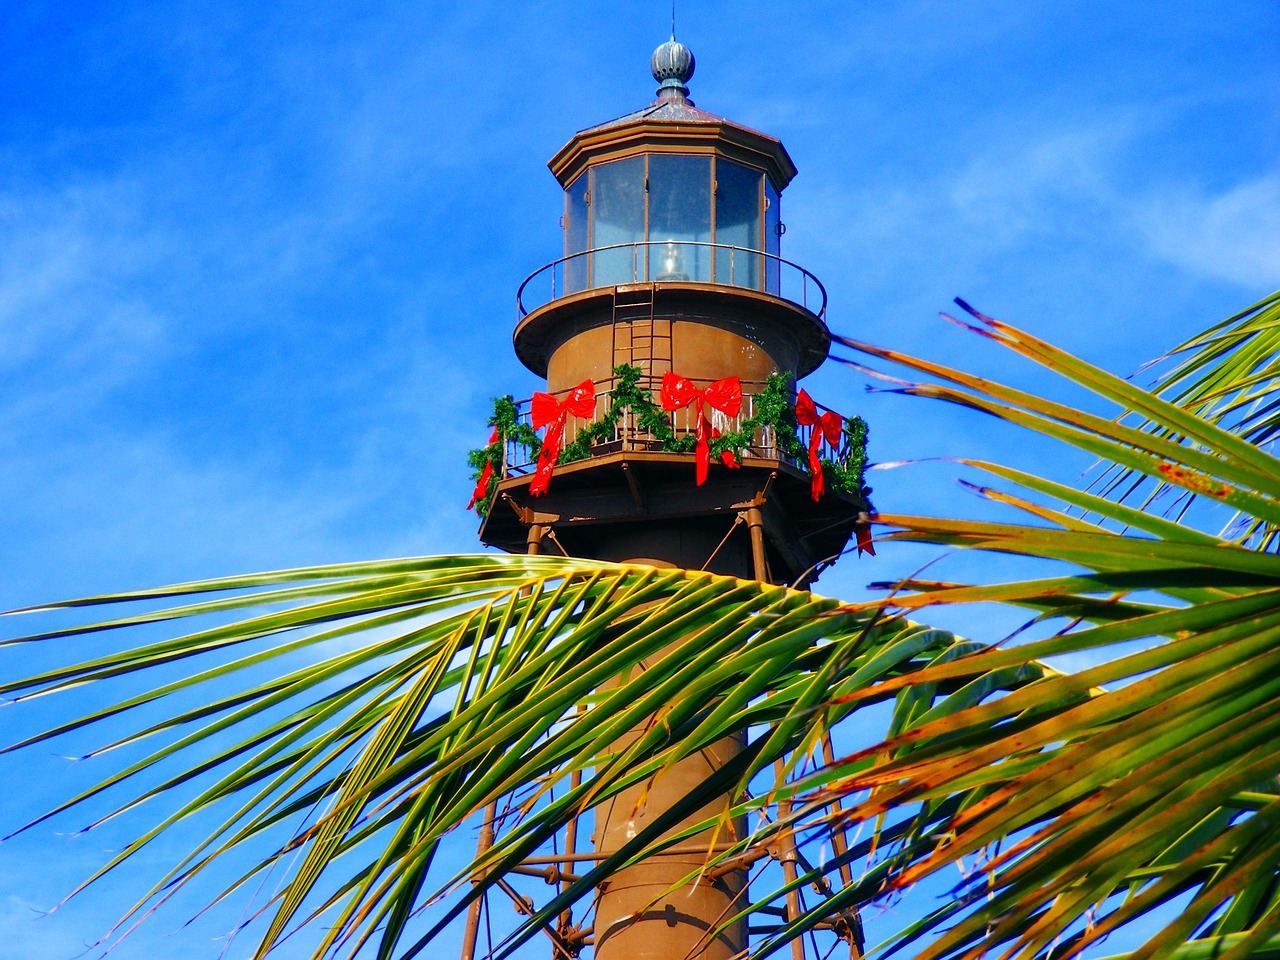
850, 476
506, 420
774, 409
650, 418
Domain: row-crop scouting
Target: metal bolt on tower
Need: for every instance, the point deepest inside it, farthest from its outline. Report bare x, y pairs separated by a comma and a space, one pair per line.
672, 284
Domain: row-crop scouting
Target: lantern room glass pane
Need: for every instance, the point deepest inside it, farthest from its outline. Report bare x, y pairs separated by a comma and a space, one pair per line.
575, 234
772, 237
679, 218
738, 224
617, 217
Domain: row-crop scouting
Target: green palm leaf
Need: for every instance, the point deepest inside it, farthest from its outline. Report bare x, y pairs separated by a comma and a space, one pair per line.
1090, 809
401, 698
1225, 376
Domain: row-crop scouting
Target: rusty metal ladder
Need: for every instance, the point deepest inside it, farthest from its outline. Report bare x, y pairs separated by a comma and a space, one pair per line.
640, 339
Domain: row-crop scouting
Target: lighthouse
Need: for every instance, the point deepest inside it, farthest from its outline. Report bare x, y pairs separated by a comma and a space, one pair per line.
674, 430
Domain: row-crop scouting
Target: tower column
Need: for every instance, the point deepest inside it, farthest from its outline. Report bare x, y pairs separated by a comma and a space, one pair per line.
644, 911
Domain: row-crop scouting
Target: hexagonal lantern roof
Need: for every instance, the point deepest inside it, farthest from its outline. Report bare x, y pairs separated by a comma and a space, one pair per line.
672, 124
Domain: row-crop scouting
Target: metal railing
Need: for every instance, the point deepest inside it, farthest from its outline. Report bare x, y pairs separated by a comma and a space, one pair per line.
671, 261
519, 459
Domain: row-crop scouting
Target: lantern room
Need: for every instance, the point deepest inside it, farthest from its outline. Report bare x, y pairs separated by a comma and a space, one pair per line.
672, 193
669, 216
671, 255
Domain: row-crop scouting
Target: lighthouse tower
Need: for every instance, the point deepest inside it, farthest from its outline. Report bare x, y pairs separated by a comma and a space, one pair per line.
674, 429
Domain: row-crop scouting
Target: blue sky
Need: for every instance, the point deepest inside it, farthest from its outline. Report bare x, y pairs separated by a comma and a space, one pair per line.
258, 261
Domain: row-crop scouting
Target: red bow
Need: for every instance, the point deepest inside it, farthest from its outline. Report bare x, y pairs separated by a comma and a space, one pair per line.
830, 425
723, 395
547, 411
863, 531
486, 474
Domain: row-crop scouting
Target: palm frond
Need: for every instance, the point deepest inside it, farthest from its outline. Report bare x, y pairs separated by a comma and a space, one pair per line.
1226, 376
370, 710
1096, 799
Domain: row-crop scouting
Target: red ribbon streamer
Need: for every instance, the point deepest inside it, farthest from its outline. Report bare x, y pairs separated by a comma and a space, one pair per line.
830, 425
723, 395
486, 474
726, 456
547, 411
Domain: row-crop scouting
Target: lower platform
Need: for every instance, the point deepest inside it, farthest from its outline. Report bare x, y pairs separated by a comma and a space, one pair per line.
638, 504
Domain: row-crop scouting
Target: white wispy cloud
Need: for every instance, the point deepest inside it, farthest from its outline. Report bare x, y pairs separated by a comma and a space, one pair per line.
69, 260
1049, 183
1232, 234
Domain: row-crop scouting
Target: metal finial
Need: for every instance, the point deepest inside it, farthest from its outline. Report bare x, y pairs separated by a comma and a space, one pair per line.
672, 65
